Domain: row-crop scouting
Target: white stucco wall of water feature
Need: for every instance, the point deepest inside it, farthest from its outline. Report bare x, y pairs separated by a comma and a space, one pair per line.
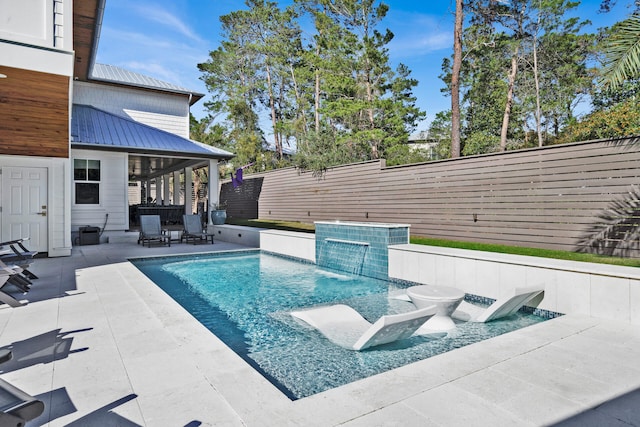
289, 243
597, 290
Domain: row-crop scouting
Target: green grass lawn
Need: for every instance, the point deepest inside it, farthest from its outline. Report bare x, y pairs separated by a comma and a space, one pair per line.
543, 253
277, 225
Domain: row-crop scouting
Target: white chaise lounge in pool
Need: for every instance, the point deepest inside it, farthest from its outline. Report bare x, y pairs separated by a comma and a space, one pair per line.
345, 327
502, 307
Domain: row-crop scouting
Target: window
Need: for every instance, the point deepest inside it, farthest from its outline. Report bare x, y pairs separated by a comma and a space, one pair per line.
86, 174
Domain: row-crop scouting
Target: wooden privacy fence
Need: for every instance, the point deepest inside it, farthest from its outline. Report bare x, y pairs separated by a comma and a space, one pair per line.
581, 196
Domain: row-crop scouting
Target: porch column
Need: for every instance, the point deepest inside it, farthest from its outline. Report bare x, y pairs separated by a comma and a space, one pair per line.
176, 187
188, 191
148, 197
166, 188
214, 187
158, 190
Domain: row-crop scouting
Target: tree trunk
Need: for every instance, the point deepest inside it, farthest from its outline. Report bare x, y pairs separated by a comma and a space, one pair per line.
316, 104
537, 82
274, 121
301, 114
455, 82
509, 103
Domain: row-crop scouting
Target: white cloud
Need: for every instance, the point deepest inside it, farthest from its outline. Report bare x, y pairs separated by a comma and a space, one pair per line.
167, 19
420, 44
418, 34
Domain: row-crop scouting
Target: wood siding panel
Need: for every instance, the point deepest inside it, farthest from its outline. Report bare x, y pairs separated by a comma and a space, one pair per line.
34, 108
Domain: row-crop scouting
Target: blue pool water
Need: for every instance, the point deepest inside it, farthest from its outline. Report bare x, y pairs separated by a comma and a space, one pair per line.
245, 298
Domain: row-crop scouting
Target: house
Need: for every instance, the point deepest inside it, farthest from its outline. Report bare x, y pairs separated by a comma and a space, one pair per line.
425, 142
75, 135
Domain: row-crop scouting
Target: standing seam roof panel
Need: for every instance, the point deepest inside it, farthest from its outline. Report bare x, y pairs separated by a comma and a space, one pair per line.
92, 126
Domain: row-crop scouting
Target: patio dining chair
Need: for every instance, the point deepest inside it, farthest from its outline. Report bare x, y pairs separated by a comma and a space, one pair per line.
151, 231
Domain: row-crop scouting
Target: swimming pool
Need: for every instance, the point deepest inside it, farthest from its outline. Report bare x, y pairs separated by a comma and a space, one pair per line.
245, 298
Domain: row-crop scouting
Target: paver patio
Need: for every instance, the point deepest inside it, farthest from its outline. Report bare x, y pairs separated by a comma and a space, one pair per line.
101, 345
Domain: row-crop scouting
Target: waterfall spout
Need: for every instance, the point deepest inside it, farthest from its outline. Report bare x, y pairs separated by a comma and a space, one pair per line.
343, 255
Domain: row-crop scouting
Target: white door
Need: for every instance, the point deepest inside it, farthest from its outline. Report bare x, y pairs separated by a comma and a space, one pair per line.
24, 206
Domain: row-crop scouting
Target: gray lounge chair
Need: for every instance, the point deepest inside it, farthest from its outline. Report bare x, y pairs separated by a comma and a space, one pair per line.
14, 275
151, 231
19, 255
16, 406
5, 297
193, 230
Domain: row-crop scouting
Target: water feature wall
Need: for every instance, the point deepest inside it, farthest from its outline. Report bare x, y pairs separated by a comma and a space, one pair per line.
358, 247
343, 255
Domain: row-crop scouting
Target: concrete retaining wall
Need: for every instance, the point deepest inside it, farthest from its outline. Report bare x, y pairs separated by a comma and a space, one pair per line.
248, 236
597, 290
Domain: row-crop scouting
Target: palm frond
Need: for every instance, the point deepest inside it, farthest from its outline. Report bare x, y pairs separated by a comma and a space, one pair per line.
623, 52
617, 229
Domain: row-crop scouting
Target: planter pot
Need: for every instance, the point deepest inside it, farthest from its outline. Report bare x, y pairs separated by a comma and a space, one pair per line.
218, 217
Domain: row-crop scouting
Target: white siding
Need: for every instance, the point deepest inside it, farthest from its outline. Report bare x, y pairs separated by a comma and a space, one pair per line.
26, 24
27, 21
113, 193
46, 23
163, 111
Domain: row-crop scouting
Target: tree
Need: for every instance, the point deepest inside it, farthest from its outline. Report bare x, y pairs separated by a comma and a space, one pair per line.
207, 132
455, 81
275, 37
555, 75
615, 99
523, 68
358, 100
232, 75
621, 119
335, 86
440, 133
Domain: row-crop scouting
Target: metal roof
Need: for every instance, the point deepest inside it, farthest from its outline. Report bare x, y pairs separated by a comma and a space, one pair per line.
113, 74
92, 128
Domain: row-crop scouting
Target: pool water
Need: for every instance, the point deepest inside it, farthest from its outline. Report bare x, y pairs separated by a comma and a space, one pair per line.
245, 299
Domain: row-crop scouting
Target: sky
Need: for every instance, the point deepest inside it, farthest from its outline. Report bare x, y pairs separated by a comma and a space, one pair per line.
167, 39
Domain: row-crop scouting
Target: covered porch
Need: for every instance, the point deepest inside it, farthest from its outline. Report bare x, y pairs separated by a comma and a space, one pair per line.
138, 170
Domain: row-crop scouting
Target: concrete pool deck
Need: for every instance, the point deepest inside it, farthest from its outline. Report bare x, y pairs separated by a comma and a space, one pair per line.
102, 346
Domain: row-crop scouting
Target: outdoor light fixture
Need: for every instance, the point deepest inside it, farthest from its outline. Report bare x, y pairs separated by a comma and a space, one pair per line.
3, 76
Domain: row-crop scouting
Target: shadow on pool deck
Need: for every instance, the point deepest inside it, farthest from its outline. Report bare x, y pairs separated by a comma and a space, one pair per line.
101, 345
